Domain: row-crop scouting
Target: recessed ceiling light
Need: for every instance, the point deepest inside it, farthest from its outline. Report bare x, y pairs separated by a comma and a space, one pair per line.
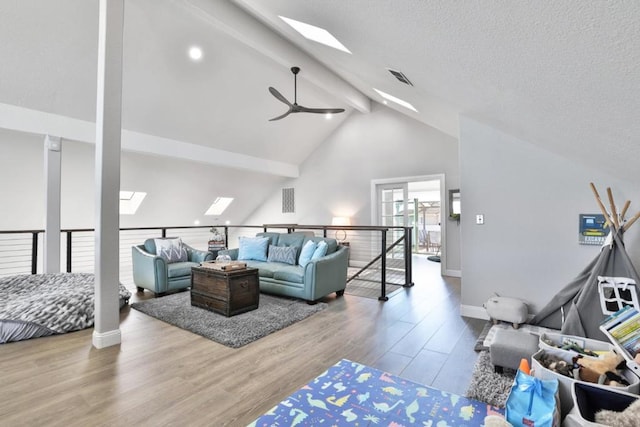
195, 53
398, 101
328, 116
316, 34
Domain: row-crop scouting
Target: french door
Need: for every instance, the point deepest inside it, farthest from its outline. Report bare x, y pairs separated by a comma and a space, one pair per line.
393, 211
392, 204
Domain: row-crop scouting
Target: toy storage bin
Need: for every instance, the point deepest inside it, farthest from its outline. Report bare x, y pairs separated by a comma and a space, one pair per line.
564, 386
586, 343
589, 399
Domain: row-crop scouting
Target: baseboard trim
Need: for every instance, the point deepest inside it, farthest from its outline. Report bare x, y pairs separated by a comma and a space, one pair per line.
106, 339
473, 311
355, 263
453, 273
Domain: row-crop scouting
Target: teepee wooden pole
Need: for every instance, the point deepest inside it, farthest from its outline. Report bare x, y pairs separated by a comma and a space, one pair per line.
602, 208
624, 209
631, 221
614, 212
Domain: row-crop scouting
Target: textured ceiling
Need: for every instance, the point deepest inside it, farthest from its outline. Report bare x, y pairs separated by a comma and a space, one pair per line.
559, 74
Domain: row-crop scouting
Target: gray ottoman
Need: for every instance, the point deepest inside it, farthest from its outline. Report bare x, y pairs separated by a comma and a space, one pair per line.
509, 347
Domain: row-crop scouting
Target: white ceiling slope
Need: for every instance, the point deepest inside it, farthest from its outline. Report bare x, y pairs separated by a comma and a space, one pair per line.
49, 56
560, 74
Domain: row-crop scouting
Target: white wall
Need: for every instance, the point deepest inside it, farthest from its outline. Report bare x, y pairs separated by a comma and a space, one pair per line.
531, 200
178, 191
335, 180
21, 181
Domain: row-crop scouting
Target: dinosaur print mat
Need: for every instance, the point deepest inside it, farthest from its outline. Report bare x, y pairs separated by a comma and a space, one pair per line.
355, 395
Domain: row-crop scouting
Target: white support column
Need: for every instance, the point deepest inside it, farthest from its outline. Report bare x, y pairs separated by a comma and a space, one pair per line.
52, 171
108, 139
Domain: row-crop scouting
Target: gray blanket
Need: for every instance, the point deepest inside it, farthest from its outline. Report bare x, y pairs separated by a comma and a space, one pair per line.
37, 305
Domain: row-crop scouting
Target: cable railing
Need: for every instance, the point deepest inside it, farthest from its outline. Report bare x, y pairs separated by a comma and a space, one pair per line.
380, 257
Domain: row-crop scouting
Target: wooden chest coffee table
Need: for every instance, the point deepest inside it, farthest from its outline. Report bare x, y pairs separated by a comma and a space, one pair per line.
225, 292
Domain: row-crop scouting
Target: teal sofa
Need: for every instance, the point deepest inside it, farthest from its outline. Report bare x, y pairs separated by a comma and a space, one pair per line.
317, 279
152, 272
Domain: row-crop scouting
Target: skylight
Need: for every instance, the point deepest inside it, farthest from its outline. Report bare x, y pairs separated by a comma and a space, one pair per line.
316, 34
398, 101
219, 205
130, 201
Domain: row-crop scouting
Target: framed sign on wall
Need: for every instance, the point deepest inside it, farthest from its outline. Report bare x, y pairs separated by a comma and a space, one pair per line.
593, 229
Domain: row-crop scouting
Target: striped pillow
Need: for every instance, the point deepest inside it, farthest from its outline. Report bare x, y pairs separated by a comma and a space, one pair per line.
285, 254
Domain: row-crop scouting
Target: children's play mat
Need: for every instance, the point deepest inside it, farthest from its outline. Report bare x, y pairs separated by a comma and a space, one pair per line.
352, 394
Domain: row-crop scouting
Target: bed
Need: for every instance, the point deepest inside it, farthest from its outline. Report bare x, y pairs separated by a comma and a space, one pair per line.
38, 305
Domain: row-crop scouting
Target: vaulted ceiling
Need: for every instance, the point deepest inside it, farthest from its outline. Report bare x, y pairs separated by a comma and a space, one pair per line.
562, 75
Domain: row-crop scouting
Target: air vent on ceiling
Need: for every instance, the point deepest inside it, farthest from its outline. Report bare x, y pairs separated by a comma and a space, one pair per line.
400, 76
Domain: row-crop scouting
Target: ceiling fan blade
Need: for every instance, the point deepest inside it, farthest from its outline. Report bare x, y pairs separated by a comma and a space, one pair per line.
295, 108
321, 110
279, 96
282, 116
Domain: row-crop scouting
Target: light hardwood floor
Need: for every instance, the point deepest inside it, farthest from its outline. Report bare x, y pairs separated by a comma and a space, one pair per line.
162, 375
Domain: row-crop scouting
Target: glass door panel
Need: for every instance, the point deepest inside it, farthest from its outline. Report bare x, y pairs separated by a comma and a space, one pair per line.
393, 211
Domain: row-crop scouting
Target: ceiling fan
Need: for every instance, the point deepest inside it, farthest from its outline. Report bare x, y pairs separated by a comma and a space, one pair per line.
295, 108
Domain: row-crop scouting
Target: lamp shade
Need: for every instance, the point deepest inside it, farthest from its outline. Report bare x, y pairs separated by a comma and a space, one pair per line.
341, 220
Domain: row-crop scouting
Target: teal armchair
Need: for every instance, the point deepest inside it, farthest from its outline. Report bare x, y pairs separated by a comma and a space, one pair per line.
152, 272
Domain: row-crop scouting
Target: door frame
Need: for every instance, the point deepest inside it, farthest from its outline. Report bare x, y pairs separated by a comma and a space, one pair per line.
404, 181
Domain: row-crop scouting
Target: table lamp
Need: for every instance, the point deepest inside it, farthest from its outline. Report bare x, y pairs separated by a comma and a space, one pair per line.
343, 221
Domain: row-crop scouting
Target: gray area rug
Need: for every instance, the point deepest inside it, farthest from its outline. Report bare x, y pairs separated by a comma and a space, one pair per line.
488, 386
273, 314
479, 346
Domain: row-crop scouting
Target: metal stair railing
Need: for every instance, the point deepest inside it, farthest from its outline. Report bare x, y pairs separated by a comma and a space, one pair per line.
21, 250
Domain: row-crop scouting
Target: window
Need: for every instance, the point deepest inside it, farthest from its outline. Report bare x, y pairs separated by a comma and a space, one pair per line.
617, 292
130, 201
219, 205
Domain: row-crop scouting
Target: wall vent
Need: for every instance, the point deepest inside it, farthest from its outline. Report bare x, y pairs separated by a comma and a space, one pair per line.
288, 200
400, 76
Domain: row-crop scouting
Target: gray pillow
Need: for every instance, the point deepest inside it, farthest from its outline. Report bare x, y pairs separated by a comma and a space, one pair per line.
171, 250
285, 254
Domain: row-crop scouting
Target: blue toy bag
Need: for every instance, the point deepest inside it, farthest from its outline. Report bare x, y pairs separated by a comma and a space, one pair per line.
533, 402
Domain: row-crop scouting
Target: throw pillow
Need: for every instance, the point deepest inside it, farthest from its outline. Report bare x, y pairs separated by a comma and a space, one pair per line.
254, 248
307, 252
285, 254
321, 250
171, 250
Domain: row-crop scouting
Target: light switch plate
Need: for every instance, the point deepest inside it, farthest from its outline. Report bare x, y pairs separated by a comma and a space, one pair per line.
480, 219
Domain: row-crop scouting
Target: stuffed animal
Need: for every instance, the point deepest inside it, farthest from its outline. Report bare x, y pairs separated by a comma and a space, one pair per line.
604, 370
627, 418
556, 364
